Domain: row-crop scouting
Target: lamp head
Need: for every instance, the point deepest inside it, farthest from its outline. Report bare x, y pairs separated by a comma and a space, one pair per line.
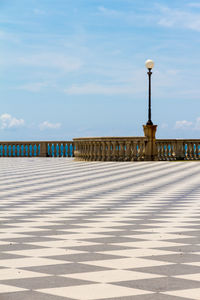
149, 64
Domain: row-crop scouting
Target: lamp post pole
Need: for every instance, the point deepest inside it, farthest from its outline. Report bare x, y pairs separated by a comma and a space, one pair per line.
149, 111
149, 64
150, 128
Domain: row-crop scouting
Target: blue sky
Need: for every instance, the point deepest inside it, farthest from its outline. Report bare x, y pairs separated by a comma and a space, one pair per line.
72, 68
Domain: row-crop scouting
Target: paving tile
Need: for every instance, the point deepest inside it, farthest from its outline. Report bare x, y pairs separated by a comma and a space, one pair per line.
115, 231
161, 284
94, 291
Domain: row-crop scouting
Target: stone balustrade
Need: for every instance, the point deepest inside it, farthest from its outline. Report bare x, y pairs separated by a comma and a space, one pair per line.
37, 149
110, 149
175, 149
107, 148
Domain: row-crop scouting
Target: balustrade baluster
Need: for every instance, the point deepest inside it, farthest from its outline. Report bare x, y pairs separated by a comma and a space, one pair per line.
56, 149
51, 149
134, 151
122, 151
191, 151
90, 150
108, 152
68, 150
16, 147
30, 150
127, 150
139, 151
197, 150
169, 151
103, 144
19, 152
59, 150
73, 149
142, 150
159, 150
64, 149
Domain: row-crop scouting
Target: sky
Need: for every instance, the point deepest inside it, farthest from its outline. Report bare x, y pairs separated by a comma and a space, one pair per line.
76, 68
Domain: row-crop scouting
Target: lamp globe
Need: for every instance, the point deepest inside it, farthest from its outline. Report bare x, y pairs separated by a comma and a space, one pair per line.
149, 64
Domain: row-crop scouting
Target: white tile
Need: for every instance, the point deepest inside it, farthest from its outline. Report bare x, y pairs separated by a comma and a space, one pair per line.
126, 263
44, 252
93, 291
78, 236
137, 252
149, 244
112, 276
159, 236
10, 289
63, 243
195, 276
188, 294
29, 262
6, 274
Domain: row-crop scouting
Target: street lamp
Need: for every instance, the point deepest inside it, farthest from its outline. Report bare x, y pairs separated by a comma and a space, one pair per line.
149, 65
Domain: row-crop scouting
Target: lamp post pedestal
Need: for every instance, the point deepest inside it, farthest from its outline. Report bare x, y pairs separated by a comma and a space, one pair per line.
151, 152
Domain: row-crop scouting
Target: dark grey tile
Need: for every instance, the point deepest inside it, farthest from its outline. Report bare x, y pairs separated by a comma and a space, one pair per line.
30, 295
162, 284
69, 268
44, 282
85, 257
154, 296
176, 258
170, 270
98, 248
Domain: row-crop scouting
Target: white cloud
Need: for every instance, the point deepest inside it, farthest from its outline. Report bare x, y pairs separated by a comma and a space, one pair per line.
179, 18
196, 5
98, 89
39, 12
48, 125
33, 87
109, 12
183, 124
197, 124
164, 125
7, 121
51, 60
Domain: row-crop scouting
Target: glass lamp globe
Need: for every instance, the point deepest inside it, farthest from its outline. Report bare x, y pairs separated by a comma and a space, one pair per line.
149, 64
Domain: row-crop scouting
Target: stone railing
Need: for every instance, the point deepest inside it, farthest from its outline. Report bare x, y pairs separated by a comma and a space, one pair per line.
146, 148
37, 149
110, 148
169, 149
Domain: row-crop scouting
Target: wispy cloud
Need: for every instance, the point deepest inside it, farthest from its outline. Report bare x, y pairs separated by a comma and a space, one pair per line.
109, 12
194, 4
48, 125
183, 124
178, 18
99, 89
51, 60
39, 12
197, 124
8, 121
33, 87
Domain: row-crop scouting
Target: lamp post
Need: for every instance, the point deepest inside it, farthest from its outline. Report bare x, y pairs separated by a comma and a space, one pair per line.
149, 65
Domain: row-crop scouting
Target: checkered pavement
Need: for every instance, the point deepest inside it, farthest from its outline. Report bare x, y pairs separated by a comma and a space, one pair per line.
99, 230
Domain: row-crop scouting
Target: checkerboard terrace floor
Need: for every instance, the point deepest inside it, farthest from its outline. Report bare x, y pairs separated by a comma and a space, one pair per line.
99, 230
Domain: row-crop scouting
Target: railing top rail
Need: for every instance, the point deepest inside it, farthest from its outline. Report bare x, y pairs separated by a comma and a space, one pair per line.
177, 140
32, 142
109, 138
